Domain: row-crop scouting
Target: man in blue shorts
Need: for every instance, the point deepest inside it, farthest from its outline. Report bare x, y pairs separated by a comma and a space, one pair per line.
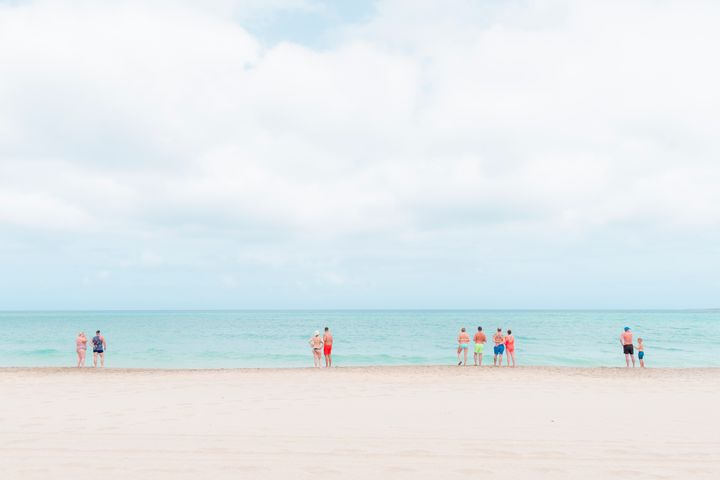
499, 348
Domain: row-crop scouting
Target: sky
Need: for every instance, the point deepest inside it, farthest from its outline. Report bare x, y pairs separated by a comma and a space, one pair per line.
381, 154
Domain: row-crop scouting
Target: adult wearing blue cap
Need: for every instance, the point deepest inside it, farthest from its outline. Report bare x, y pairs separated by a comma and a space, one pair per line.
626, 340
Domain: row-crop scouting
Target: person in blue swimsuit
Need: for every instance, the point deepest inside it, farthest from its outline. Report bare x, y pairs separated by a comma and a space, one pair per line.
99, 347
641, 352
463, 343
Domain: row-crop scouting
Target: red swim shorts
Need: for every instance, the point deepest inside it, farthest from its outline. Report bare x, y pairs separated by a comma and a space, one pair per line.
327, 349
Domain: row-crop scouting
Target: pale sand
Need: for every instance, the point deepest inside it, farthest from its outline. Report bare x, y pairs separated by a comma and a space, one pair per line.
384, 422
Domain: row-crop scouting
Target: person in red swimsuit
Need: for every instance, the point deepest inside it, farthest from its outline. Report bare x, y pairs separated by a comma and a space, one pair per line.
510, 348
327, 349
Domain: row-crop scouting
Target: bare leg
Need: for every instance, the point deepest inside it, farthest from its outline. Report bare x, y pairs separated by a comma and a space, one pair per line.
632, 357
79, 354
95, 359
480, 359
512, 354
330, 360
500, 360
627, 360
642, 363
327, 364
458, 352
102, 359
465, 356
475, 359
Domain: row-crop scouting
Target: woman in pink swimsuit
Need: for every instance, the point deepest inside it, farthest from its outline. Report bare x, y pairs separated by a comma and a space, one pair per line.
316, 342
81, 348
510, 348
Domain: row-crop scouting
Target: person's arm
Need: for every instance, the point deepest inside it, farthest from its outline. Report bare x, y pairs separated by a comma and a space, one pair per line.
104, 343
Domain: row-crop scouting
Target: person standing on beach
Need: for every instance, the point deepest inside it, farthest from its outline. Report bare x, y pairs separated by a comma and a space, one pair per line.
479, 340
81, 348
99, 347
626, 340
327, 347
463, 344
510, 347
499, 348
641, 352
316, 343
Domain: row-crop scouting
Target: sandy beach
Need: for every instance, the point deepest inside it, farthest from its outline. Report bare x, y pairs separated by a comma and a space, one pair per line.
392, 422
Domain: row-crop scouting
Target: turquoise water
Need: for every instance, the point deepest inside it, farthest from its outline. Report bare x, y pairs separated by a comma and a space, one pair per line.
226, 339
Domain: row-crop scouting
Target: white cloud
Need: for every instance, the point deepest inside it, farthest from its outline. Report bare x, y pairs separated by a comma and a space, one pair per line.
38, 209
434, 133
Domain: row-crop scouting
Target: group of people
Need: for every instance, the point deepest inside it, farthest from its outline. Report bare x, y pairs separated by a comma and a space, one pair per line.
99, 346
626, 340
502, 344
322, 345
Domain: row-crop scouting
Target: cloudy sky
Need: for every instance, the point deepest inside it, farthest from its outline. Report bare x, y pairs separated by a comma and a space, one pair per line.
383, 154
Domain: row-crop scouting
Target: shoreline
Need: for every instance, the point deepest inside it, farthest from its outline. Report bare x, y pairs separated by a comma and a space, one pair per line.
430, 369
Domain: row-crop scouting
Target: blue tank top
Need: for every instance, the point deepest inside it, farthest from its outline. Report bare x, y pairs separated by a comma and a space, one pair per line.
97, 343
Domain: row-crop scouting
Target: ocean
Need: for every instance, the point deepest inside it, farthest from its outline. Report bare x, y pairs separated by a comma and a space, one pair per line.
230, 339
